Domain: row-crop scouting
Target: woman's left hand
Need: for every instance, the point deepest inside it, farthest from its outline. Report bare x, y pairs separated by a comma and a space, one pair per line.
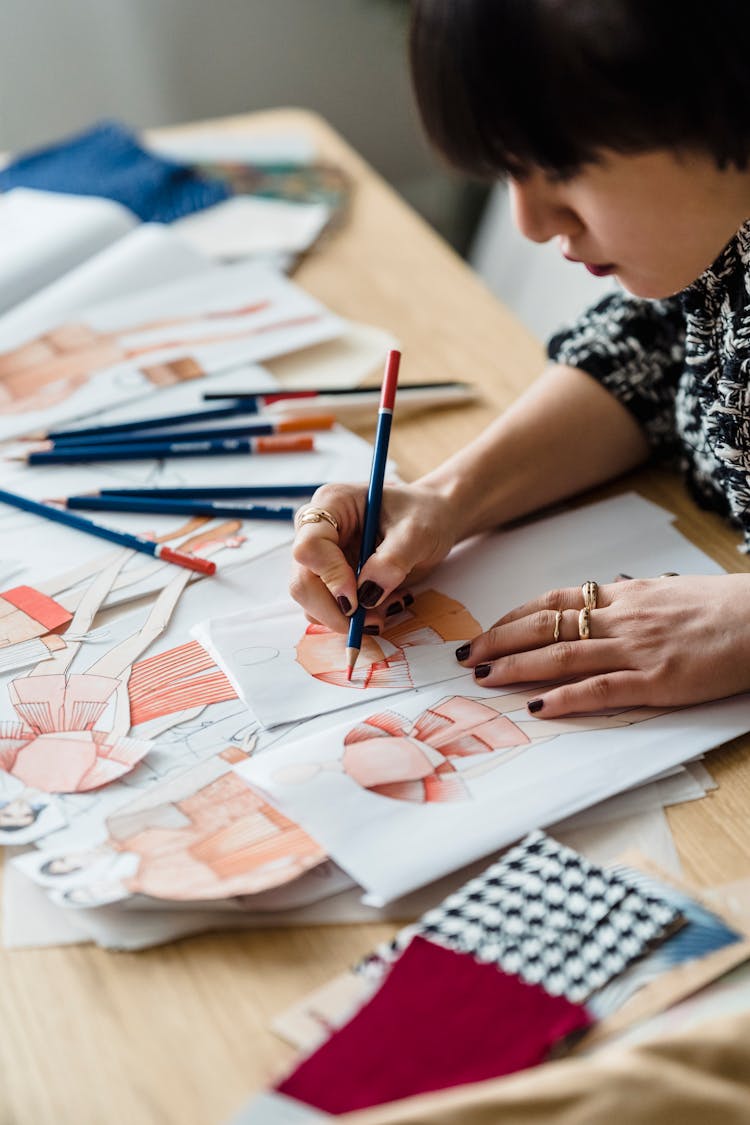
658, 642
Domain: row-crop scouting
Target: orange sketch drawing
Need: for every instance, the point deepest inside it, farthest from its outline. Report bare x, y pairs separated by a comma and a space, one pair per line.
218, 840
424, 760
42, 372
57, 746
432, 618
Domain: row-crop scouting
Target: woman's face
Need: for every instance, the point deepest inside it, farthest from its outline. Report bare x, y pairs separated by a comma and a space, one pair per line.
655, 220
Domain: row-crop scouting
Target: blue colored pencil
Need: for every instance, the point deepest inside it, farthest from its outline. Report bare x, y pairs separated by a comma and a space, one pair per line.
122, 538
374, 498
220, 492
138, 451
219, 433
179, 507
160, 423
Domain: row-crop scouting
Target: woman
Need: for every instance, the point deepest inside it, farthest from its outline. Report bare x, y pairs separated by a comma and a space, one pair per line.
623, 130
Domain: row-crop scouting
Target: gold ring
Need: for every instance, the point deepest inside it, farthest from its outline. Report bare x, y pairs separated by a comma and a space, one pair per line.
558, 619
584, 623
315, 515
590, 591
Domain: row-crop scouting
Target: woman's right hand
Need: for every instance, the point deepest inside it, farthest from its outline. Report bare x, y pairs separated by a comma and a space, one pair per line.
417, 530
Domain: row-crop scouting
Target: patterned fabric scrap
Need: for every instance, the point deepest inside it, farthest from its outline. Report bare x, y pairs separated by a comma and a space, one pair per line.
547, 914
440, 1019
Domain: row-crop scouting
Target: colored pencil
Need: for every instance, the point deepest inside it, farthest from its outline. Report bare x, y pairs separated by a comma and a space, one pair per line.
266, 397
220, 492
160, 423
374, 498
178, 507
122, 538
138, 451
219, 433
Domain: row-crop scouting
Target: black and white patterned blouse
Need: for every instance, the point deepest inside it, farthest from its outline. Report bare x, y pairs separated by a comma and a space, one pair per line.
682, 367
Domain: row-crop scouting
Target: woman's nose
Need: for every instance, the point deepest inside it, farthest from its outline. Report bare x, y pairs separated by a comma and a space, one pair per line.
539, 212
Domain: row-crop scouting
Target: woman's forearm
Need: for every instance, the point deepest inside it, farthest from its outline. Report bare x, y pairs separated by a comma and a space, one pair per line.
564, 435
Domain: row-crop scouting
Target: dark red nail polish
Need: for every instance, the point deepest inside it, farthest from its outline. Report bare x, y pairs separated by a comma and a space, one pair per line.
482, 671
463, 652
344, 604
396, 607
369, 594
371, 630
535, 705
408, 600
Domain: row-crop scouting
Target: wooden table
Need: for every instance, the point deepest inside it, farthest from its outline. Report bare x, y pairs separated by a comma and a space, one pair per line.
180, 1034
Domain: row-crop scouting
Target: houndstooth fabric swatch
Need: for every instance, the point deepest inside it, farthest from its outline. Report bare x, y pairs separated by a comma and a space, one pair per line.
546, 914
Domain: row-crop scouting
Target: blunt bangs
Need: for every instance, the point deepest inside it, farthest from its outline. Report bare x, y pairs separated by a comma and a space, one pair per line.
503, 85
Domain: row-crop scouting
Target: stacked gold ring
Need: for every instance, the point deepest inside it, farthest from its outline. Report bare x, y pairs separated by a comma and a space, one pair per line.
584, 623
315, 515
590, 591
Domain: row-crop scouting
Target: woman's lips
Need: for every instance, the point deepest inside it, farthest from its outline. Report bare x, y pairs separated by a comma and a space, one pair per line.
592, 267
599, 271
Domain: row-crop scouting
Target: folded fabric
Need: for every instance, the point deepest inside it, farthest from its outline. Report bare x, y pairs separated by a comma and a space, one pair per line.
107, 161
547, 914
440, 1019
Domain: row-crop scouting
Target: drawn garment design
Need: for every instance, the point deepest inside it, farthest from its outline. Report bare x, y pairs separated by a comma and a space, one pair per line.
221, 841
45, 370
412, 761
54, 747
179, 679
431, 619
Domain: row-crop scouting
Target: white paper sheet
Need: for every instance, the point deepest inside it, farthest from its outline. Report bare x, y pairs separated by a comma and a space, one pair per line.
245, 226
222, 317
286, 670
45, 234
147, 256
390, 845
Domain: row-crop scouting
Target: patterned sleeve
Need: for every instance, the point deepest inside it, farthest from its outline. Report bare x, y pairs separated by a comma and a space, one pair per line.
635, 348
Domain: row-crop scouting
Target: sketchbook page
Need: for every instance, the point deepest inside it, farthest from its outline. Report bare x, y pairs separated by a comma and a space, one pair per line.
147, 256
30, 920
128, 348
443, 775
287, 670
45, 234
245, 226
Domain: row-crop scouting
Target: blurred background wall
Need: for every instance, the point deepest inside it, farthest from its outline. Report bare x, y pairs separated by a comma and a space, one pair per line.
67, 63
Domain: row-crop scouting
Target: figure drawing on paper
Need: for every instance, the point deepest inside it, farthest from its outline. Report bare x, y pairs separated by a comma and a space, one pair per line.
205, 834
56, 745
44, 371
431, 758
220, 841
432, 618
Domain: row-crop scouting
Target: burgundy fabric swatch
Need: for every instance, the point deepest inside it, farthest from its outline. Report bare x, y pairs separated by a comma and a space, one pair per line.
440, 1019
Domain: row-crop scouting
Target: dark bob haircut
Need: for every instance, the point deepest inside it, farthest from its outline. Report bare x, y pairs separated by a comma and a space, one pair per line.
503, 85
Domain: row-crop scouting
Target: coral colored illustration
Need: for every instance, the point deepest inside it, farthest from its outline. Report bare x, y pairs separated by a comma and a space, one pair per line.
220, 841
424, 760
432, 618
58, 744
42, 372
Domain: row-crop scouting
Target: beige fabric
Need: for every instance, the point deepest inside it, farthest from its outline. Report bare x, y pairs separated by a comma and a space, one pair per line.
698, 1079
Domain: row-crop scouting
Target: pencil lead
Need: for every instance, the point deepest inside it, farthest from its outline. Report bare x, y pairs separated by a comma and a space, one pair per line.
349, 674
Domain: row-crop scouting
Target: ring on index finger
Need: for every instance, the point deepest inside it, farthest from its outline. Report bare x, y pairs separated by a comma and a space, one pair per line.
315, 515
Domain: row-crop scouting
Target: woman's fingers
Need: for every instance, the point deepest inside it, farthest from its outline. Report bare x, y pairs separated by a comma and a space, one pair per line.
568, 597
316, 599
596, 693
541, 628
555, 662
